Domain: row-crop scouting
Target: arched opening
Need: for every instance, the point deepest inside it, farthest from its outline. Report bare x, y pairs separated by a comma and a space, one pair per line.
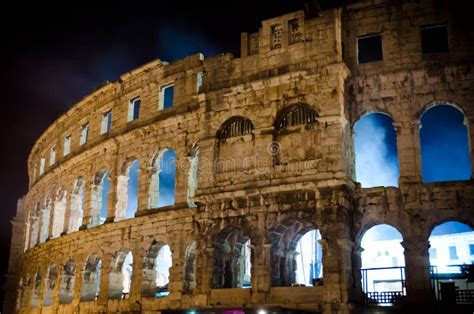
232, 259
158, 261
444, 144
99, 198
235, 135
48, 292
296, 255
34, 226
120, 276
383, 266
376, 157
189, 280
91, 279
46, 214
77, 205
59, 213
296, 137
193, 174
452, 262
127, 191
36, 289
163, 178
68, 278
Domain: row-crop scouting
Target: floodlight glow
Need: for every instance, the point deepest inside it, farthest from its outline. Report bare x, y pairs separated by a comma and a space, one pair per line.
262, 312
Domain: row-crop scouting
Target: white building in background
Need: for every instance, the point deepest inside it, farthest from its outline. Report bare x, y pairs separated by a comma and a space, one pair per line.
445, 250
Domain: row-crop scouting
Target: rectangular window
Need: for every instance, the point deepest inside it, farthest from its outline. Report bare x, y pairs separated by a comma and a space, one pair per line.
166, 97
67, 145
453, 254
52, 156
394, 261
432, 252
41, 166
277, 32
369, 48
106, 123
134, 109
434, 38
199, 81
471, 249
84, 134
294, 31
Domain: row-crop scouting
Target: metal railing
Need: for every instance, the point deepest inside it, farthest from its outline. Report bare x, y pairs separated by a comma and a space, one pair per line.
454, 285
384, 286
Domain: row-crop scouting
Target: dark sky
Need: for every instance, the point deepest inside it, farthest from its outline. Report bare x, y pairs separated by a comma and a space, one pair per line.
51, 57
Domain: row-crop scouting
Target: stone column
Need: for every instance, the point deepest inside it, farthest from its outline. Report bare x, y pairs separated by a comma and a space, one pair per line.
67, 214
144, 183
137, 275
204, 270
51, 217
417, 274
106, 262
408, 148
122, 198
261, 276
57, 289
76, 299
111, 198
86, 210
42, 286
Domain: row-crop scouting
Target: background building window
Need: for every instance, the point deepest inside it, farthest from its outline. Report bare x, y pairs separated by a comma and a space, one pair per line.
453, 254
471, 249
434, 38
84, 134
134, 109
432, 253
106, 123
369, 48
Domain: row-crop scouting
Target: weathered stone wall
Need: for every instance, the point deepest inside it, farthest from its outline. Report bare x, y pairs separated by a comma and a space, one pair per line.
270, 183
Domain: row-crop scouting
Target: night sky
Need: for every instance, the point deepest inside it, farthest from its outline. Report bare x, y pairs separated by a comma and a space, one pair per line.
56, 56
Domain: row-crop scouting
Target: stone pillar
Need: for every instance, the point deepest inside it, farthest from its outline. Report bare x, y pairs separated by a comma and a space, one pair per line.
42, 286
122, 198
76, 299
67, 213
137, 275
51, 217
86, 209
106, 262
95, 205
181, 178
408, 148
469, 123
204, 270
144, 185
261, 258
57, 289
417, 274
356, 272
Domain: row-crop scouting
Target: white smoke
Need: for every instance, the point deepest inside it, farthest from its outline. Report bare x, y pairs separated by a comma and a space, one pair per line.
374, 165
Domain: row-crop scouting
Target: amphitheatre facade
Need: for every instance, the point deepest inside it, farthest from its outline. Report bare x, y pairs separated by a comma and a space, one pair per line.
264, 153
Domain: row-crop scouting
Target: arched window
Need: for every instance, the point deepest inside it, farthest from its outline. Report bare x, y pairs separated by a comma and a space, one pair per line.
120, 275
91, 279
59, 213
444, 145
235, 135
296, 137
296, 254
383, 261
163, 179
127, 191
158, 261
231, 259
45, 217
235, 126
376, 158
99, 198
66, 288
451, 246
77, 206
294, 115
48, 292
193, 174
